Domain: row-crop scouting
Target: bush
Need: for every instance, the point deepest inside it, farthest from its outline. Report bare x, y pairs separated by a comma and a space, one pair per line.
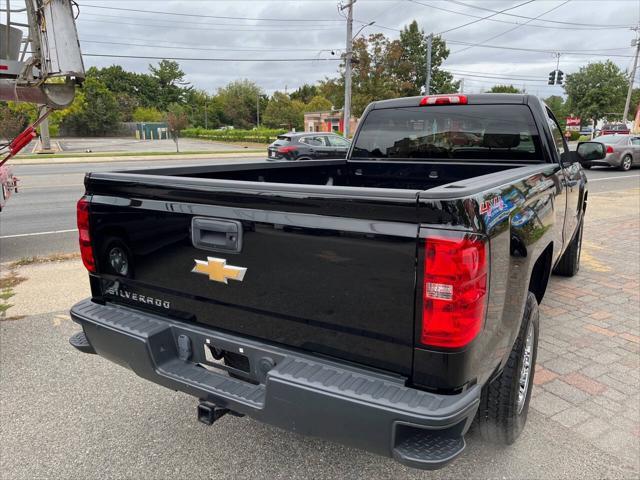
262, 135
147, 114
574, 136
584, 138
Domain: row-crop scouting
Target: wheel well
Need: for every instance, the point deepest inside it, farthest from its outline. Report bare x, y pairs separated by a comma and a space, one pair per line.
541, 273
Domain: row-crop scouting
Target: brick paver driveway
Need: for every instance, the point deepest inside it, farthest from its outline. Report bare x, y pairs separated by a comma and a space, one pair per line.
588, 371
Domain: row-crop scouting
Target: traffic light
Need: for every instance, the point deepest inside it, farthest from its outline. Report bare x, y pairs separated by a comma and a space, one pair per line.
559, 77
552, 78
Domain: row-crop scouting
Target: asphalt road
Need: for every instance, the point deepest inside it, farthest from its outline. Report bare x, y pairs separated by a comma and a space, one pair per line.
41, 220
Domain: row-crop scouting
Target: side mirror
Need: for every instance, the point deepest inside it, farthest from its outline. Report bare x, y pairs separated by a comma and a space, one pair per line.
591, 151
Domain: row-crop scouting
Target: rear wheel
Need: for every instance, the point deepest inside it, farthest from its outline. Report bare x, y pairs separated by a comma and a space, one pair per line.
625, 164
504, 403
569, 263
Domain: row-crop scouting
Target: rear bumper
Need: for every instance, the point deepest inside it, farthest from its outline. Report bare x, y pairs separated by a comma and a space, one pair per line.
611, 160
309, 395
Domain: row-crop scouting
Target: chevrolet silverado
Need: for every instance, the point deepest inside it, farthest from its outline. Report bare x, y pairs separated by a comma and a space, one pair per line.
387, 300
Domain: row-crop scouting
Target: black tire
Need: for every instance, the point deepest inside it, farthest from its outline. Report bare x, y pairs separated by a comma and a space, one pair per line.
569, 263
586, 167
625, 163
501, 416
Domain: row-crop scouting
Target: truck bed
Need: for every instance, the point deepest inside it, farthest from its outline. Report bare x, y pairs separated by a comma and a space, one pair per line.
419, 175
341, 237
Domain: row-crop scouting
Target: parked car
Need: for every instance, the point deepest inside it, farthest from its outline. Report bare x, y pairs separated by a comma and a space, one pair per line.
384, 300
308, 146
8, 185
614, 129
622, 151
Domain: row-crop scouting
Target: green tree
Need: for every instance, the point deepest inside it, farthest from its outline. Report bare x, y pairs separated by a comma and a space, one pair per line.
318, 104
305, 93
596, 90
96, 112
239, 103
11, 122
172, 86
142, 87
147, 114
284, 112
372, 77
504, 89
411, 66
177, 120
559, 108
205, 111
333, 90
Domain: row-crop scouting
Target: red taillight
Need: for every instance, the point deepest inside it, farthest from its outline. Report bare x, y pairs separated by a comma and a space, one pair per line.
86, 251
286, 149
609, 149
455, 291
443, 100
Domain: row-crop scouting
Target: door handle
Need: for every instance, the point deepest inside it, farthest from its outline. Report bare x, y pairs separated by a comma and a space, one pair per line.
219, 235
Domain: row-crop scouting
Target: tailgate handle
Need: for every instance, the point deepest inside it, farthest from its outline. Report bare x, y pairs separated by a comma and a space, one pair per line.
216, 234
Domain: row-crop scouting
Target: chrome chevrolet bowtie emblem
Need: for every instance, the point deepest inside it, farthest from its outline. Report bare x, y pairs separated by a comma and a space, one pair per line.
218, 270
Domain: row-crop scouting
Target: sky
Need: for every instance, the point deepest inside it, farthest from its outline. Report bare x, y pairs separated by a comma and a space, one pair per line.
582, 31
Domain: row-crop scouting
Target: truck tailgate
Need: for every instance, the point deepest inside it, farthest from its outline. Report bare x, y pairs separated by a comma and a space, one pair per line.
315, 279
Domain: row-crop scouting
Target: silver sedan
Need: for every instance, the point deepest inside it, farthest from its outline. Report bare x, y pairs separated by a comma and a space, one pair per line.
623, 151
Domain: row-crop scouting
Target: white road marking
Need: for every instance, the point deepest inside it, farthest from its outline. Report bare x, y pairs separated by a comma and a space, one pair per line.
621, 177
53, 232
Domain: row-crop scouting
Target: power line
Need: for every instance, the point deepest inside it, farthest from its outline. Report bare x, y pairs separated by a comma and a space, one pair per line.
593, 25
173, 27
513, 76
502, 77
480, 19
511, 29
208, 24
204, 48
537, 50
491, 19
144, 57
198, 15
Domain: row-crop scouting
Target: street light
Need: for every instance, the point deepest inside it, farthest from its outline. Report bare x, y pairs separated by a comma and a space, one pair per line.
362, 28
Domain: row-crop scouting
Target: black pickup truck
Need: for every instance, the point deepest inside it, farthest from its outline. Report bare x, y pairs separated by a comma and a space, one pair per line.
386, 300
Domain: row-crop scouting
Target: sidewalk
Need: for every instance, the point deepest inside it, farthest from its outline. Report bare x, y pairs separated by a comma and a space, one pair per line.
588, 369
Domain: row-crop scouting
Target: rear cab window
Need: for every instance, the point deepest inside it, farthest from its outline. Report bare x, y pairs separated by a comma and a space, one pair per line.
465, 132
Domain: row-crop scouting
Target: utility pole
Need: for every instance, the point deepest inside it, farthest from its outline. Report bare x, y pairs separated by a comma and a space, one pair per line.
632, 76
462, 85
258, 111
427, 81
206, 115
45, 138
347, 69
